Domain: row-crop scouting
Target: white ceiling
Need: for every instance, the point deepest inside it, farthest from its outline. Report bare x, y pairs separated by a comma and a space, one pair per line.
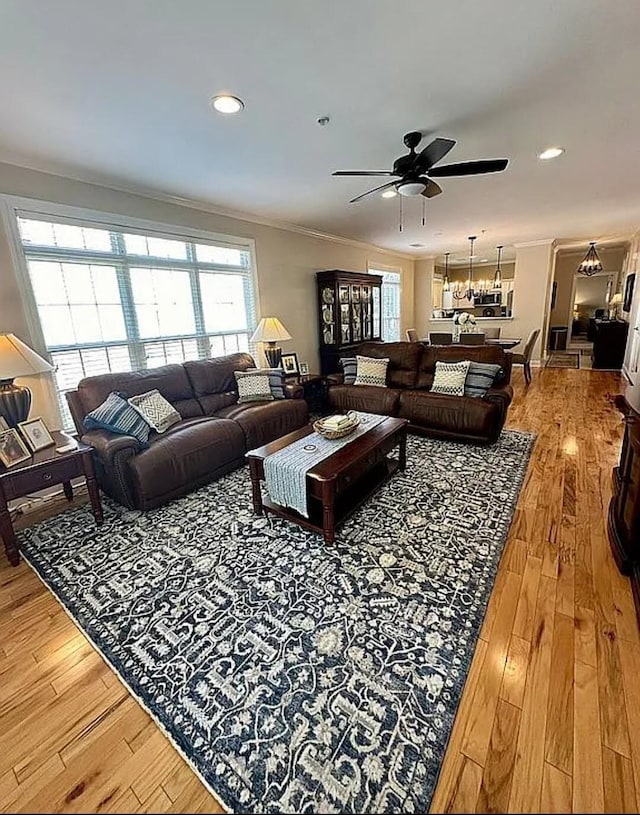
117, 92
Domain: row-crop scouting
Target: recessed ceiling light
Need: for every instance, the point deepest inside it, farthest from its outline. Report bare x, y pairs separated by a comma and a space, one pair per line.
224, 103
389, 194
551, 152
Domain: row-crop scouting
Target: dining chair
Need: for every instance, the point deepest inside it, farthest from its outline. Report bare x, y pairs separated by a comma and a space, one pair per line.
440, 338
492, 333
525, 357
412, 335
471, 338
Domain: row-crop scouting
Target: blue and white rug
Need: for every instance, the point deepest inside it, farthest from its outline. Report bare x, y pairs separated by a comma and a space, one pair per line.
294, 676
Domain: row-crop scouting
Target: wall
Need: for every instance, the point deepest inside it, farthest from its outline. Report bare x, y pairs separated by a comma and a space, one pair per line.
286, 261
483, 271
566, 264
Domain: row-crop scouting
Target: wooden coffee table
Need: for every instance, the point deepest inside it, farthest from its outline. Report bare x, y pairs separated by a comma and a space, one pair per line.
339, 484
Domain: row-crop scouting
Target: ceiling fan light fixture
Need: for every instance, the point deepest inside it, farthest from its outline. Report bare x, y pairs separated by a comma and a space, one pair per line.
225, 103
411, 188
389, 194
551, 152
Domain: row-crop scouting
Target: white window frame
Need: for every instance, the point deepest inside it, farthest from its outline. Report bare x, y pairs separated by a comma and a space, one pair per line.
12, 207
373, 268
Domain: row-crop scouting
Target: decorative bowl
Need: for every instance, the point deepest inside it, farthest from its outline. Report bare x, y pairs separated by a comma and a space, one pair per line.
328, 433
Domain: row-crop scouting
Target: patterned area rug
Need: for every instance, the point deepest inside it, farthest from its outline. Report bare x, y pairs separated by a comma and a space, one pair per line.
564, 359
297, 677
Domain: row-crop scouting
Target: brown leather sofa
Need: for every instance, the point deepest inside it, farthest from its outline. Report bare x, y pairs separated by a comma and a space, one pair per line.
410, 375
210, 441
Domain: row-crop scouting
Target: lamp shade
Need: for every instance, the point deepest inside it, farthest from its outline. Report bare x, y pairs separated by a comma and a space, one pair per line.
270, 329
616, 300
17, 359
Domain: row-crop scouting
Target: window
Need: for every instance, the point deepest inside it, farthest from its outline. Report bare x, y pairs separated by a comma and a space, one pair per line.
390, 305
111, 300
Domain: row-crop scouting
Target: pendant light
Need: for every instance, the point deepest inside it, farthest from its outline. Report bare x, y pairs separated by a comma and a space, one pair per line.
446, 283
591, 263
497, 277
470, 292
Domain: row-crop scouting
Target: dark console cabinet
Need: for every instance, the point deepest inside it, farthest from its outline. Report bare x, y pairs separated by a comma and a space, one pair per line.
624, 509
609, 343
349, 313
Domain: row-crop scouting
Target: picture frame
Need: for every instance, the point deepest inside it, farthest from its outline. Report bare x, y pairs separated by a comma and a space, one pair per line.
36, 434
3, 424
304, 368
289, 364
628, 292
12, 449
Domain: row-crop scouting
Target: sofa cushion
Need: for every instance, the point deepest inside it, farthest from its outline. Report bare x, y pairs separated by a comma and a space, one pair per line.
187, 455
116, 415
456, 353
404, 359
171, 380
253, 386
364, 397
371, 371
155, 410
450, 377
480, 378
458, 415
213, 380
262, 422
349, 369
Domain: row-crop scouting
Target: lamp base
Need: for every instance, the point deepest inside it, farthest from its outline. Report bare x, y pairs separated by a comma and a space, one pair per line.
273, 353
15, 402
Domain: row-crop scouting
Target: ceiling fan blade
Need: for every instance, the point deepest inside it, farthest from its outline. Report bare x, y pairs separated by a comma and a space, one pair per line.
494, 165
375, 189
434, 152
363, 172
432, 189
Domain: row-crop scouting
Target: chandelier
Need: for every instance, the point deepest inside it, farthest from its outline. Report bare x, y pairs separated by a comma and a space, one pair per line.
591, 263
446, 283
469, 293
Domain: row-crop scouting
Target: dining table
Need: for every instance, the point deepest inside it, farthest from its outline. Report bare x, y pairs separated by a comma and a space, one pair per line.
502, 342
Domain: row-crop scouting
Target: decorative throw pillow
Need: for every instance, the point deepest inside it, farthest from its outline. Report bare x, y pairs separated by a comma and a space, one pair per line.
349, 369
371, 371
276, 382
253, 386
118, 416
450, 378
480, 378
155, 409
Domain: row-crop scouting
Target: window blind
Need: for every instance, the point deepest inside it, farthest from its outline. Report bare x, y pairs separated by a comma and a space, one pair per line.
390, 305
111, 299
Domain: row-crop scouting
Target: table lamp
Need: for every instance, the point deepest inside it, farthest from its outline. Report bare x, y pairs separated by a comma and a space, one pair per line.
271, 331
614, 303
17, 359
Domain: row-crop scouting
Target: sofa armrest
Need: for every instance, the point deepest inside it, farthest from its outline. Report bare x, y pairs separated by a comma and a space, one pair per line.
500, 396
112, 453
293, 391
335, 379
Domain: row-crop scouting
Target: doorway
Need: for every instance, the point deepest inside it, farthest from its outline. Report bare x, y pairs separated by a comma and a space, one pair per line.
590, 298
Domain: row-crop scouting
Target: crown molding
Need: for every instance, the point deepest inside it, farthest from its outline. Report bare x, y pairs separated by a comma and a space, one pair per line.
205, 206
542, 242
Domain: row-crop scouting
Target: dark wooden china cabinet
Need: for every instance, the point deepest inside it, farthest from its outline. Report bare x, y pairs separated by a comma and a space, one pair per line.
624, 508
349, 312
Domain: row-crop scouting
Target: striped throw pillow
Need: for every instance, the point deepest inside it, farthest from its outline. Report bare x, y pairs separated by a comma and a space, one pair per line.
349, 369
371, 371
480, 378
450, 378
118, 416
253, 386
276, 382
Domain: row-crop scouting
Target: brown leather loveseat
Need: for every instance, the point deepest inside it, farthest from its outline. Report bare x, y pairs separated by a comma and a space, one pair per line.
409, 377
210, 441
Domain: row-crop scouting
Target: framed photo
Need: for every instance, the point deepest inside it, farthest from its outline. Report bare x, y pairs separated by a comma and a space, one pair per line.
304, 368
12, 449
290, 364
3, 424
36, 434
628, 292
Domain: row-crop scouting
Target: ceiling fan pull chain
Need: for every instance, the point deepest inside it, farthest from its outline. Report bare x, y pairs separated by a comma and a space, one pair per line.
424, 211
400, 226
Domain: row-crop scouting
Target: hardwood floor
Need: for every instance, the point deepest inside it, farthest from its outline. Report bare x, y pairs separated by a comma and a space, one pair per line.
550, 716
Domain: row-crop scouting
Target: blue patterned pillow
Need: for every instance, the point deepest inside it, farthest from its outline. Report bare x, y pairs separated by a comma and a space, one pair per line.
118, 416
480, 377
349, 369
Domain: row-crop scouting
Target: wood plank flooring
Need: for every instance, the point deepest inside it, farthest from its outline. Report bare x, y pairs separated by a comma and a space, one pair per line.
550, 716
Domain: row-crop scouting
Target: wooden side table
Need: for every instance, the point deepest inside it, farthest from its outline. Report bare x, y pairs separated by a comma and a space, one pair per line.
46, 468
314, 386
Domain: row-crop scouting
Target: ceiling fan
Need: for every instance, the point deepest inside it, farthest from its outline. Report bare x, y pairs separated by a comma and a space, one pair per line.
416, 171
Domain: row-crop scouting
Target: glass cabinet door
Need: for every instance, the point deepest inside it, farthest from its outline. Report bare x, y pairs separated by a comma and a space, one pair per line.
376, 305
367, 330
356, 313
327, 314
344, 314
